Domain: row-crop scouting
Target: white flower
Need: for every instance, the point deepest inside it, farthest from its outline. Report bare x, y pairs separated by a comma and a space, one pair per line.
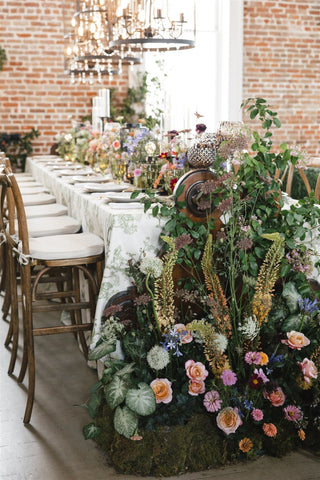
158, 358
150, 148
68, 137
220, 342
151, 265
250, 328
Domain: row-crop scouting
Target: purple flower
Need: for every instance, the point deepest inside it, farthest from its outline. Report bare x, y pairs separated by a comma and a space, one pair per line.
212, 401
228, 377
292, 413
201, 127
252, 357
260, 373
307, 306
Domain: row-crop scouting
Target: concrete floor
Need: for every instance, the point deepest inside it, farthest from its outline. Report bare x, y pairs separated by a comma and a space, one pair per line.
53, 447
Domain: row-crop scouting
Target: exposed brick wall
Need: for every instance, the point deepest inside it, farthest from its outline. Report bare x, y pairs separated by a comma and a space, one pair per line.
34, 92
282, 64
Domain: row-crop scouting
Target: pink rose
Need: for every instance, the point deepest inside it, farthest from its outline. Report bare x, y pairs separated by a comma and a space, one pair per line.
276, 397
296, 340
186, 336
196, 387
196, 370
162, 389
116, 144
309, 369
228, 420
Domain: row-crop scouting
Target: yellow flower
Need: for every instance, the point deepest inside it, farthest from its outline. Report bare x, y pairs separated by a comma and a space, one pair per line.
264, 358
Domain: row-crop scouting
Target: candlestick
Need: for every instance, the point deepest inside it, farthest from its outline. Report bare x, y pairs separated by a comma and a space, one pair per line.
95, 113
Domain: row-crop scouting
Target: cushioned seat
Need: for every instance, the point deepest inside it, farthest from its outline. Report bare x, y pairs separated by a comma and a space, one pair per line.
33, 190
45, 226
63, 247
51, 210
25, 178
38, 199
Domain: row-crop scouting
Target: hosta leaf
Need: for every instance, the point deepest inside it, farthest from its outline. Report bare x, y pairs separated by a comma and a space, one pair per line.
125, 421
101, 350
128, 368
90, 431
141, 400
115, 391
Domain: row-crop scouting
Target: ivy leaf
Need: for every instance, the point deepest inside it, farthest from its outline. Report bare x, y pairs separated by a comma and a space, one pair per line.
254, 113
125, 421
155, 210
277, 122
90, 431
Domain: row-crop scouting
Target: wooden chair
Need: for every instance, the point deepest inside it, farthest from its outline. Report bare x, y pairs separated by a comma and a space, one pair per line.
305, 181
56, 260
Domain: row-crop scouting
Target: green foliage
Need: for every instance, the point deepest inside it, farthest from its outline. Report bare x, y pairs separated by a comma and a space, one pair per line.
141, 400
125, 421
18, 147
3, 58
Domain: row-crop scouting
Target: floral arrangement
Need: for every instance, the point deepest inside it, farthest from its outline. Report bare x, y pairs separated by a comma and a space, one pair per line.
226, 325
74, 144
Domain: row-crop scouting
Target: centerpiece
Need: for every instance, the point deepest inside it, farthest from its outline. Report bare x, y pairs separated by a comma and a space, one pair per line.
217, 359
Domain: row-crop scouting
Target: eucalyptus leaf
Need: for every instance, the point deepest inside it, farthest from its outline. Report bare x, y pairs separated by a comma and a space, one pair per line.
125, 421
141, 400
115, 391
90, 431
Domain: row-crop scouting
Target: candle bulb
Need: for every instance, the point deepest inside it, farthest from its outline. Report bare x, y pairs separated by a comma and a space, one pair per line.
181, 17
159, 13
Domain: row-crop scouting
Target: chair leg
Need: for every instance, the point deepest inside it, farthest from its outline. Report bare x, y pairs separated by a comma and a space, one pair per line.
14, 320
78, 313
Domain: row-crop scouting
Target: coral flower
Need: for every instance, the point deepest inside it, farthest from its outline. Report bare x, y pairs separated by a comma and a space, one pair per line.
196, 370
162, 390
270, 429
228, 420
276, 397
309, 369
196, 387
212, 401
245, 445
116, 144
296, 340
301, 434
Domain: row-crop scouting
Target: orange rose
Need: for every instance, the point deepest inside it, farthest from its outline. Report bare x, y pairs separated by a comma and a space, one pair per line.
228, 420
264, 358
296, 340
162, 389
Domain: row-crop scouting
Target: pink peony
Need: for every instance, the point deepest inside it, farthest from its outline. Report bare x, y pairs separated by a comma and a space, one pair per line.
292, 413
276, 397
228, 377
296, 340
196, 370
257, 414
309, 369
212, 401
253, 357
196, 387
228, 420
186, 336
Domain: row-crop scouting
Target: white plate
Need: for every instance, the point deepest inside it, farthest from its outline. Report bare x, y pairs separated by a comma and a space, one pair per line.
93, 178
68, 172
123, 197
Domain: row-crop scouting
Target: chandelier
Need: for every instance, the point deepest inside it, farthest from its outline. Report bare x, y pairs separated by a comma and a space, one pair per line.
153, 25
88, 52
103, 35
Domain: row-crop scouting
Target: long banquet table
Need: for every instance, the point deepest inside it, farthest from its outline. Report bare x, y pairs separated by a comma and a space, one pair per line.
126, 232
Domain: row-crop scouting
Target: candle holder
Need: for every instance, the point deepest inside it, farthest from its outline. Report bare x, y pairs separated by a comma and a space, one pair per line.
104, 120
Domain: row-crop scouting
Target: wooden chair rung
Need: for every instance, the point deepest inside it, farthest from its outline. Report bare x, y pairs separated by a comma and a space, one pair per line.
59, 307
61, 329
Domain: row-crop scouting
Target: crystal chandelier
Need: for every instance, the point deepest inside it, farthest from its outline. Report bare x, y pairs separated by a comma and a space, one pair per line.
87, 42
153, 25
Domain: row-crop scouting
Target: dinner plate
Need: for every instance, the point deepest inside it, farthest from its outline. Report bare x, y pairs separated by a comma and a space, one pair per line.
68, 172
123, 197
93, 178
125, 206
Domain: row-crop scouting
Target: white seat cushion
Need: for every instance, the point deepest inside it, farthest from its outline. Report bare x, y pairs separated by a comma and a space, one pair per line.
48, 226
32, 190
51, 210
62, 247
38, 199
29, 184
24, 178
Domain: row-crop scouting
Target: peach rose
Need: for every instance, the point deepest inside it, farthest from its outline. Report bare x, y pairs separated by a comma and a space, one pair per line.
196, 387
296, 340
276, 397
228, 420
162, 390
186, 336
309, 369
196, 370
